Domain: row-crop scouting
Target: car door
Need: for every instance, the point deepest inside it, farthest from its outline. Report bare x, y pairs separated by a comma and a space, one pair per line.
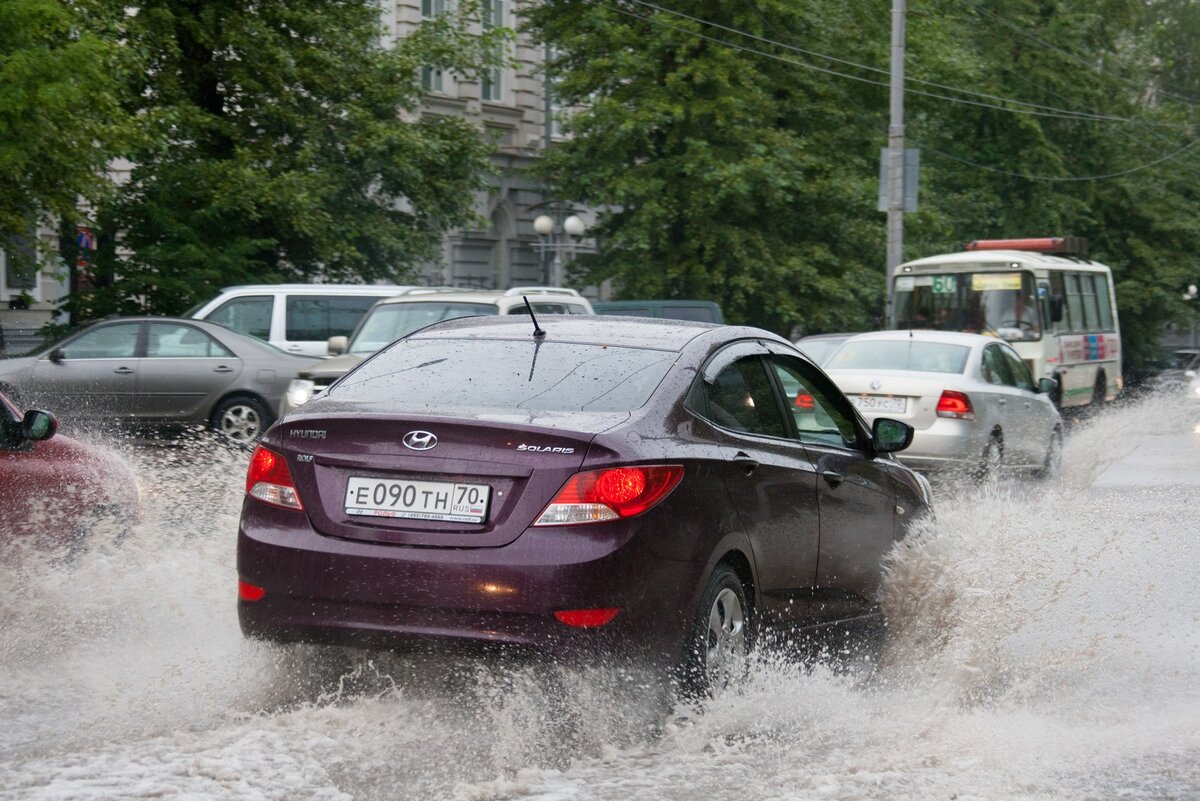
92, 376
1031, 413
856, 499
183, 373
768, 475
999, 405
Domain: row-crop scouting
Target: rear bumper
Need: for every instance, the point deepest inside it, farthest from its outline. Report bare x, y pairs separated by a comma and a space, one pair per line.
947, 444
347, 592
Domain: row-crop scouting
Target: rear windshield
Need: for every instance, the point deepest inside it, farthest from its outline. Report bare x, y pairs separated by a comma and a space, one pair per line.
473, 374
878, 354
389, 321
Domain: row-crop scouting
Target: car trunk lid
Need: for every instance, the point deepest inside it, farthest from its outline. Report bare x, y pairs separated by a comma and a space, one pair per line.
429, 481
899, 394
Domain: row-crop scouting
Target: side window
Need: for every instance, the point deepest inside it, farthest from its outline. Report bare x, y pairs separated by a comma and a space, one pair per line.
250, 315
1074, 302
995, 369
1105, 301
1091, 313
1017, 369
108, 342
820, 418
1058, 289
169, 340
309, 318
741, 398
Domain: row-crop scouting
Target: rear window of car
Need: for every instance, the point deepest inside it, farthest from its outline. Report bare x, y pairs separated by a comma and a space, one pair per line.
472, 374
387, 322
890, 354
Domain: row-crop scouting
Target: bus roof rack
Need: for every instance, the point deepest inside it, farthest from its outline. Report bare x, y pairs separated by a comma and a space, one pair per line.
540, 290
1058, 245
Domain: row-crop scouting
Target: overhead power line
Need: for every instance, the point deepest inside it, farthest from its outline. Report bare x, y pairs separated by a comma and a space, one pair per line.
1064, 178
1017, 106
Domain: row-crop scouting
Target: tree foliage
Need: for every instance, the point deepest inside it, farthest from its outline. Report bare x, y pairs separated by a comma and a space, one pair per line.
736, 150
60, 116
282, 141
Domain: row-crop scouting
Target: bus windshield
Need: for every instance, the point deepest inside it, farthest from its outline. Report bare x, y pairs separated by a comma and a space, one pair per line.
1000, 304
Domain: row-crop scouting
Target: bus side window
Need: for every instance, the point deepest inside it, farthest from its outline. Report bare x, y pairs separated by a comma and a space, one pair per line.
1074, 302
1058, 291
1087, 293
1103, 297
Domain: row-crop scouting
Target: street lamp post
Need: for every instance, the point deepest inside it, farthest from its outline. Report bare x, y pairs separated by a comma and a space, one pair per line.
558, 231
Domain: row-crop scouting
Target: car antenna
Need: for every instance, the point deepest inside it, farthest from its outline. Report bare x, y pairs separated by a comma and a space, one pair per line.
538, 333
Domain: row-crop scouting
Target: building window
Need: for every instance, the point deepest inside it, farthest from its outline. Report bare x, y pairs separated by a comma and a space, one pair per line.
431, 79
432, 8
491, 85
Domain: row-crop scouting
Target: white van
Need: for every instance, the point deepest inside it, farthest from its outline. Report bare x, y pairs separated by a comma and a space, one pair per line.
297, 318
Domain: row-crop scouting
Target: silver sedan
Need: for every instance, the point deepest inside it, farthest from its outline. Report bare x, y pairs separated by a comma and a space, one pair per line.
973, 404
155, 371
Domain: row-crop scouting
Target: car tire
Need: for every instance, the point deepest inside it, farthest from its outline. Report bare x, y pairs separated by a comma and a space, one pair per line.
719, 641
241, 419
990, 461
1052, 467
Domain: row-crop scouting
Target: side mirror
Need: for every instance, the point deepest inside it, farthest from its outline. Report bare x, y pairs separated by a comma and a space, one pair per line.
1046, 386
890, 436
57, 356
38, 425
1056, 308
338, 345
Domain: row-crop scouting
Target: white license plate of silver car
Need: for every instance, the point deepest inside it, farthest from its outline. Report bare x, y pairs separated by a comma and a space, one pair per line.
879, 403
417, 500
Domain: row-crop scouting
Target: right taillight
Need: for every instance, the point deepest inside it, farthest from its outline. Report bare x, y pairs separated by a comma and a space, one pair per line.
612, 493
269, 479
955, 404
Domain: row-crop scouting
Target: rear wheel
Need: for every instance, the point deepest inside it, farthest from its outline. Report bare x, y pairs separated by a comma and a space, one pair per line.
1099, 392
1052, 466
715, 656
991, 460
241, 419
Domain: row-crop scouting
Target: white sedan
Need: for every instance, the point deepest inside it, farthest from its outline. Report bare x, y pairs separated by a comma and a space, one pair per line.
973, 404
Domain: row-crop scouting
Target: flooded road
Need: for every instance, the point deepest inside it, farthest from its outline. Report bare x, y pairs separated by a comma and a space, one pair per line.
1044, 643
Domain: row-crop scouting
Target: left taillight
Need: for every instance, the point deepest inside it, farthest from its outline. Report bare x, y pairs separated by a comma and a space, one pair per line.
612, 493
269, 479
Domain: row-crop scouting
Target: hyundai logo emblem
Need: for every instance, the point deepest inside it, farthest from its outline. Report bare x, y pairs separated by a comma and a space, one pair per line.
876, 384
419, 440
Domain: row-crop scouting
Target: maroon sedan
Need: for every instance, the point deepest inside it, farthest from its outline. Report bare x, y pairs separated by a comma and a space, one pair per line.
55, 490
662, 486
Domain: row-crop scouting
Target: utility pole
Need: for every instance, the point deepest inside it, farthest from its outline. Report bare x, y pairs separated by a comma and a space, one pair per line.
895, 161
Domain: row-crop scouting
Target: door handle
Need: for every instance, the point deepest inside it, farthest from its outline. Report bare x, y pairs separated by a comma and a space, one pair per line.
743, 460
124, 371
833, 478
222, 369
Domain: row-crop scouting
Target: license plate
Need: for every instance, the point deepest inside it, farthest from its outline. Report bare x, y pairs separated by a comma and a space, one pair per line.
879, 403
419, 500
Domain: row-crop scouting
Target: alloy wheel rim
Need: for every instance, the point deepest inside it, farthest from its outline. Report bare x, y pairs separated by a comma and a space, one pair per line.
241, 423
725, 643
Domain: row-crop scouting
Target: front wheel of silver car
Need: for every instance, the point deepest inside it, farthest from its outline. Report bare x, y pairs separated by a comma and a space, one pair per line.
241, 419
715, 659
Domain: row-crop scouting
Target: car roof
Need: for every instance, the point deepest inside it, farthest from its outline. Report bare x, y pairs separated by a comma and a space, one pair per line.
651, 333
929, 335
487, 296
316, 289
814, 337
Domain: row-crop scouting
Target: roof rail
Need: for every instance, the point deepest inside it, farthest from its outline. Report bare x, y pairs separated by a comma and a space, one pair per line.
540, 290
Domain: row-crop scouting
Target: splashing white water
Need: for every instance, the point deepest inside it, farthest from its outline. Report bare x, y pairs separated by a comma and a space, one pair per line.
1043, 643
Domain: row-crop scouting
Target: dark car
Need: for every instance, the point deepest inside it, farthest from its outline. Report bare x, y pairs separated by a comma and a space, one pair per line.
156, 371
54, 489
612, 482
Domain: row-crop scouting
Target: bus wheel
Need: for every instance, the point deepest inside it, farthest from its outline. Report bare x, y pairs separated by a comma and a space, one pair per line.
1100, 392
